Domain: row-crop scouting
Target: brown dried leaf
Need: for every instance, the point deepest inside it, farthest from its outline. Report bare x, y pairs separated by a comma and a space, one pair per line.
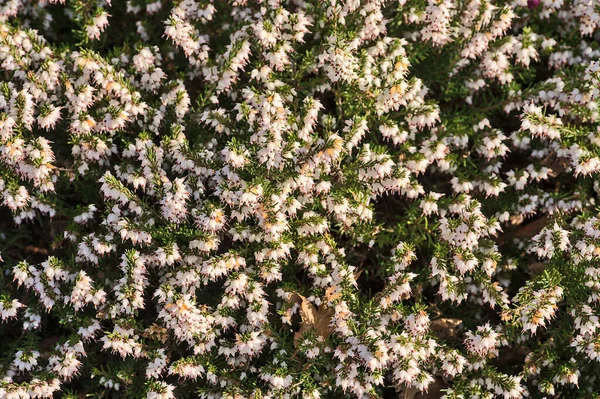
537, 267
434, 391
294, 297
406, 393
532, 228
330, 296
32, 249
556, 164
313, 319
526, 230
445, 328
156, 332
358, 273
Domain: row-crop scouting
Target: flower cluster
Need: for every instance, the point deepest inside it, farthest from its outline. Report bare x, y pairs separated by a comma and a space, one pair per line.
320, 198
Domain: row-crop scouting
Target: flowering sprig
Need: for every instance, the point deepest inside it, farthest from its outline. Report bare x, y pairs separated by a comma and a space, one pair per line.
286, 199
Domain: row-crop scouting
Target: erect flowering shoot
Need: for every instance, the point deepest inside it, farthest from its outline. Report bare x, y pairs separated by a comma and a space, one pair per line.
313, 198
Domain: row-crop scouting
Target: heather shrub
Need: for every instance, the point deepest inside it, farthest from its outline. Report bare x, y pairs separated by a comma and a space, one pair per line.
299, 199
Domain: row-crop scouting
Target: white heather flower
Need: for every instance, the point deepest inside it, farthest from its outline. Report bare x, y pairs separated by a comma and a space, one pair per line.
161, 390
437, 22
8, 309
482, 343
48, 120
97, 25
429, 204
26, 360
417, 324
156, 367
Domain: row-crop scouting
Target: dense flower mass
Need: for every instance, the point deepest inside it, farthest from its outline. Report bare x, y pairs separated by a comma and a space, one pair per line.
299, 198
